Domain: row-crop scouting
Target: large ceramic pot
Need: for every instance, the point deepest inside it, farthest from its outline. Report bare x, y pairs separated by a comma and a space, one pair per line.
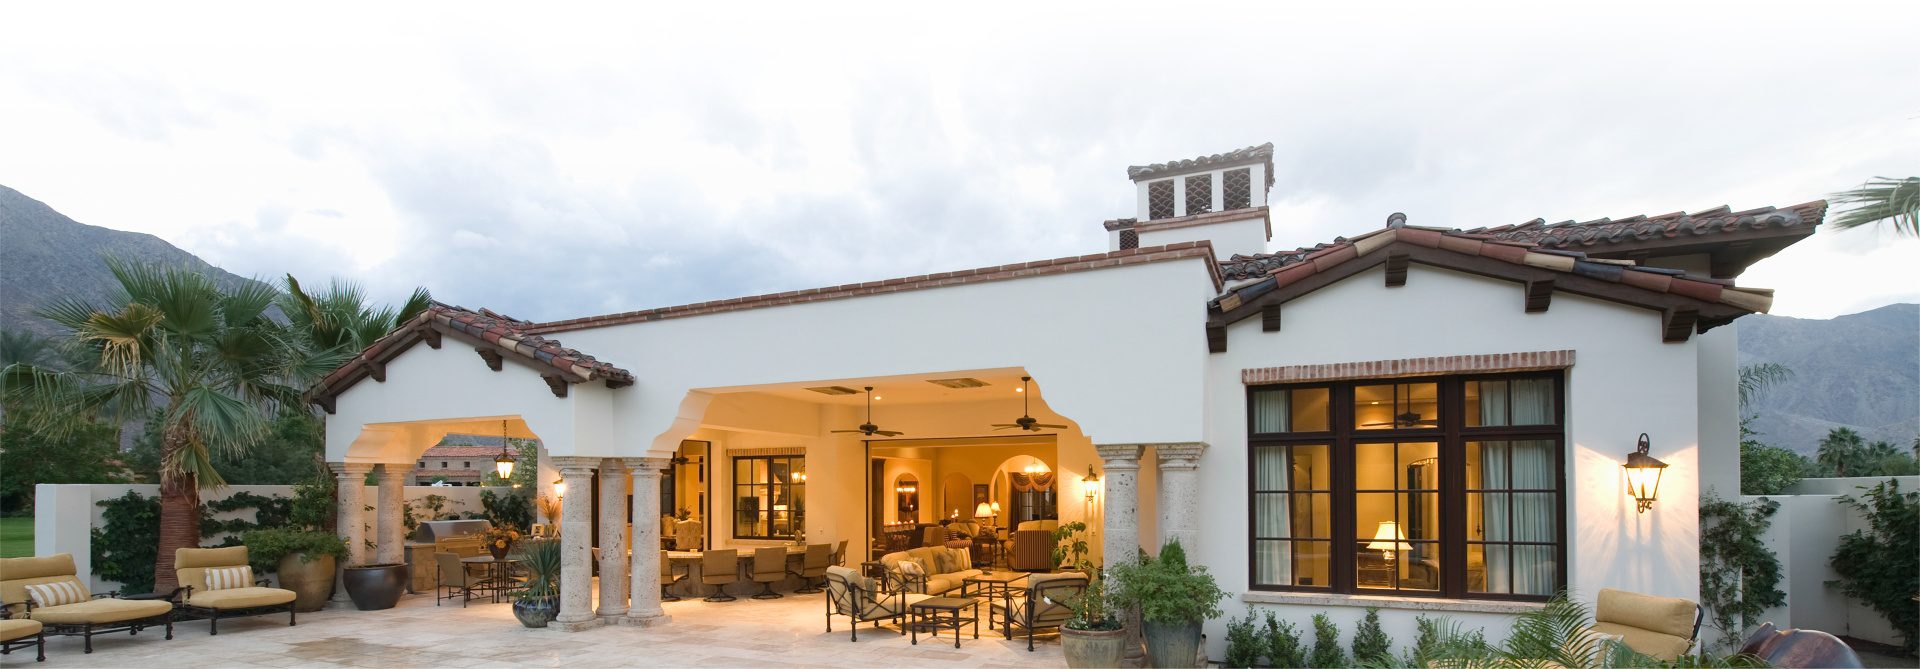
536, 611
310, 581
375, 586
1172, 644
1093, 649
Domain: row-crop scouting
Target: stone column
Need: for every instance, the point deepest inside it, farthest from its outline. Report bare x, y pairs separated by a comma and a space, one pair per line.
390, 540
1180, 494
645, 610
1120, 536
576, 543
351, 477
613, 538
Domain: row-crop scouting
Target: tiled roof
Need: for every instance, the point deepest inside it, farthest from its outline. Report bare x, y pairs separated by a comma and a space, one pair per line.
1709, 223
1295, 266
463, 451
1252, 154
503, 332
449, 474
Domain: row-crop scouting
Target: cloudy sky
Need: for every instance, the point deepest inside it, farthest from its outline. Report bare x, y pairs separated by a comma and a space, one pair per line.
557, 160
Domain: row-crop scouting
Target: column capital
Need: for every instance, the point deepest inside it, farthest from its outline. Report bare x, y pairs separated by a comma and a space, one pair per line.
647, 466
343, 469
612, 463
1120, 456
1180, 456
397, 470
575, 466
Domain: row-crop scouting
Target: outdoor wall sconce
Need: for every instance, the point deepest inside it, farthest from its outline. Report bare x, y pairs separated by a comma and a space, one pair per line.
1091, 483
1643, 475
503, 464
560, 487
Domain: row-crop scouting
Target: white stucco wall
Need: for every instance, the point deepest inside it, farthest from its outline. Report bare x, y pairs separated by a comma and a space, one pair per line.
1806, 531
1246, 235
1625, 381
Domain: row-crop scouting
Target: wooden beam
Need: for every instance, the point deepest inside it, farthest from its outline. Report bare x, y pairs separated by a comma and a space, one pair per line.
616, 384
377, 370
1270, 318
491, 356
1396, 269
1539, 295
556, 384
325, 402
1677, 324
1216, 338
431, 336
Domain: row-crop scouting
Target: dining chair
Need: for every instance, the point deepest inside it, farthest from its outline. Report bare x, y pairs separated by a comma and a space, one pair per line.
453, 579
719, 568
769, 567
814, 565
840, 554
666, 579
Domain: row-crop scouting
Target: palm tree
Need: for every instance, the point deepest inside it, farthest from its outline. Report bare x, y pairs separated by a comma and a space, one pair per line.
1758, 377
1882, 199
1840, 450
340, 317
18, 346
208, 362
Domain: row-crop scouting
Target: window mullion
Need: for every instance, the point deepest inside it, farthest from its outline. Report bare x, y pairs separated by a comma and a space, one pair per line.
1453, 483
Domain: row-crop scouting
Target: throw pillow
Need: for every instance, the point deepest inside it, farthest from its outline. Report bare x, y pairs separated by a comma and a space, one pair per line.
57, 593
227, 578
943, 562
912, 568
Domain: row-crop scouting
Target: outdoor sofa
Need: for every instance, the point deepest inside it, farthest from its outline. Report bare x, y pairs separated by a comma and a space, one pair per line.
937, 569
48, 590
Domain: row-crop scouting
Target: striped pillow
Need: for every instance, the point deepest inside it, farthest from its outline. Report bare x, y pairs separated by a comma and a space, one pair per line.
57, 593
227, 578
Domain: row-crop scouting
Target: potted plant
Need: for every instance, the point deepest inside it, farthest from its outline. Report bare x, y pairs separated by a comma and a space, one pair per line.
539, 601
1173, 598
1094, 637
500, 539
304, 560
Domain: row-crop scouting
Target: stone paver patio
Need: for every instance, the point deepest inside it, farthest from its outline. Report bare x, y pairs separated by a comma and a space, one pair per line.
776, 633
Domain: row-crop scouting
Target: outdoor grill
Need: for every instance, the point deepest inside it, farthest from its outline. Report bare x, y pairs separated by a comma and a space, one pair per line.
435, 530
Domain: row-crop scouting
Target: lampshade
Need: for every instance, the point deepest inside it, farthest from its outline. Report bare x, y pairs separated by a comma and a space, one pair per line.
996, 508
503, 463
1389, 538
983, 510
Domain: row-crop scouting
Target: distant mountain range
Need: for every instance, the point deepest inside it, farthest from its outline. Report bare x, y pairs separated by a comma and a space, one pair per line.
1860, 371
45, 256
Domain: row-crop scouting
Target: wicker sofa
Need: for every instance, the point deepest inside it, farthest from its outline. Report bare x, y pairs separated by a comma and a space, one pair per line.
91, 615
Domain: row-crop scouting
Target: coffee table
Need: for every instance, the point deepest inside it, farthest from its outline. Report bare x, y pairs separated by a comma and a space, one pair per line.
992, 585
925, 614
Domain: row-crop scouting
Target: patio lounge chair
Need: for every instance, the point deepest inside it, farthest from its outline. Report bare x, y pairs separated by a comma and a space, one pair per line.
1659, 627
81, 613
23, 633
1042, 604
856, 597
219, 584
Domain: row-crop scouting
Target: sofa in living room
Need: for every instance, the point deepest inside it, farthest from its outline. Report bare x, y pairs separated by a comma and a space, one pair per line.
932, 570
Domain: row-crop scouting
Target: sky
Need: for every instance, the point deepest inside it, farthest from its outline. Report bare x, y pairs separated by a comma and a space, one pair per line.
555, 160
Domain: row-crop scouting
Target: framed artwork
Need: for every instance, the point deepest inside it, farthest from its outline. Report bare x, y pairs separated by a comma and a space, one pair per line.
981, 493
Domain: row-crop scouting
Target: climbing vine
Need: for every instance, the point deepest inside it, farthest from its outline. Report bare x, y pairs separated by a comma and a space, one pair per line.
1739, 577
125, 544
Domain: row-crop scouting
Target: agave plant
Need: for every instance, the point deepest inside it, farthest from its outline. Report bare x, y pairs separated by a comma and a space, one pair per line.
542, 558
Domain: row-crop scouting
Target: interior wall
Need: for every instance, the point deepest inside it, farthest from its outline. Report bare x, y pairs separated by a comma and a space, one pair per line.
922, 472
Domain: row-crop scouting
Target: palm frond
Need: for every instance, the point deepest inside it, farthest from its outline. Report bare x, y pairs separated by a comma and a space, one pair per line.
220, 421
1758, 377
20, 346
1882, 199
124, 337
190, 301
241, 306
416, 303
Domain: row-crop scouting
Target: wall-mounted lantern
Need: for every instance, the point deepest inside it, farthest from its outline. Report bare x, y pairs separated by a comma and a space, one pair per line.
1091, 484
1643, 475
503, 463
560, 487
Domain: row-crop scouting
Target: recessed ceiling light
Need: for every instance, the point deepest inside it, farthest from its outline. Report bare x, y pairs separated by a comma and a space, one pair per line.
877, 398
1019, 390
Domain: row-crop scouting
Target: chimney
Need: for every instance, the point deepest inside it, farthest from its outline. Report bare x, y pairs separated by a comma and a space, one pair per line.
1220, 198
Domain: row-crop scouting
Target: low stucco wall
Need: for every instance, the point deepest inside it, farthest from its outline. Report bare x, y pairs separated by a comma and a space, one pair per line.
65, 515
1805, 532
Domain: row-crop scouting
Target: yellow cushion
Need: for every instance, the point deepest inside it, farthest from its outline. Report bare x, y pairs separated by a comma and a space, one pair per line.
230, 556
18, 629
240, 598
101, 611
1665, 647
18, 573
1667, 615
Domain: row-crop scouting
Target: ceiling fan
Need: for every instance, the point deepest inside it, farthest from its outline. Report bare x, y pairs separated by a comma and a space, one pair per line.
1026, 421
1408, 419
868, 428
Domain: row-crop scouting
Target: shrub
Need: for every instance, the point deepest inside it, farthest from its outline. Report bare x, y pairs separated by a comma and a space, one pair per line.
513, 508
1243, 642
1326, 644
1283, 644
1739, 577
1877, 566
1166, 589
266, 547
1370, 644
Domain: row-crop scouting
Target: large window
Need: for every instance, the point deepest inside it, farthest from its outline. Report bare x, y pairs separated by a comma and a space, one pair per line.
769, 496
1445, 486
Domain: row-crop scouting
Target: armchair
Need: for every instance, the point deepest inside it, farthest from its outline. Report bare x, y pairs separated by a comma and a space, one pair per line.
860, 599
1660, 627
83, 614
1042, 604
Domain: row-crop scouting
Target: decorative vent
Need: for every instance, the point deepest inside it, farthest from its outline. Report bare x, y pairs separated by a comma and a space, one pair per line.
1129, 239
1236, 188
1160, 199
959, 383
1199, 193
835, 390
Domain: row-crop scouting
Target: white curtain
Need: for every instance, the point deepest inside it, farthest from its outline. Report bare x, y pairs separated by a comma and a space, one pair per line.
1493, 509
1533, 517
1273, 560
1270, 411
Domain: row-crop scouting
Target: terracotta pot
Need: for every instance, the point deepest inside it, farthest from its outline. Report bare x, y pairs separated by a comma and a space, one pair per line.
1093, 649
376, 586
310, 581
1172, 644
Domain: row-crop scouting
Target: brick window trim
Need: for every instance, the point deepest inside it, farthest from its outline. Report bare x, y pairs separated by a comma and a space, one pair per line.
1407, 367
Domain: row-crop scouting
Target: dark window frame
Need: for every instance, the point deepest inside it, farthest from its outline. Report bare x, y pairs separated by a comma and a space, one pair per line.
795, 491
1452, 436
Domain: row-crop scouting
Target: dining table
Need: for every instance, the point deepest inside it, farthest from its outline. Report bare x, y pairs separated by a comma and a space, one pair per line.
498, 580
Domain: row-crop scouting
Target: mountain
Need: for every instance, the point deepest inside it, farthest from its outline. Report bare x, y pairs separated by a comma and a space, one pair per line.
45, 256
1860, 371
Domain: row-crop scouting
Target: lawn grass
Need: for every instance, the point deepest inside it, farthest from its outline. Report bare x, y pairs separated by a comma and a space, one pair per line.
16, 537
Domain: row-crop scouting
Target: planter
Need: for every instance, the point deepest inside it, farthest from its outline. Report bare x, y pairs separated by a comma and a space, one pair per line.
536, 611
311, 582
1172, 644
499, 549
376, 586
1093, 649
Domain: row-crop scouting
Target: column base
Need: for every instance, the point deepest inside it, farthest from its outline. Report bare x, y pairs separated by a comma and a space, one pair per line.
578, 625
655, 620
